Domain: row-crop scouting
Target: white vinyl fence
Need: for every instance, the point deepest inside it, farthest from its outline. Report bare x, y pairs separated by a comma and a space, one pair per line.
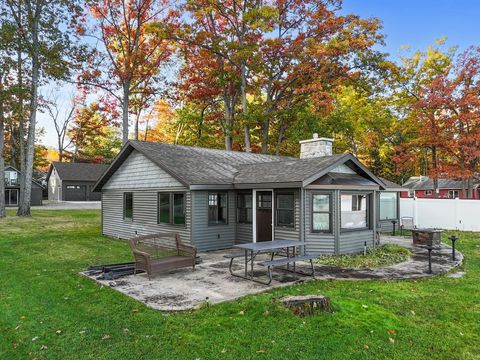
450, 214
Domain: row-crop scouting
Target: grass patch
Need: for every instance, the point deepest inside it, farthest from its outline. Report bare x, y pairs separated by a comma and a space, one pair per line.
380, 256
48, 311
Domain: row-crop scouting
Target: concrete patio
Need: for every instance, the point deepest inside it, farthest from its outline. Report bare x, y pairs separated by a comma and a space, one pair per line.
211, 281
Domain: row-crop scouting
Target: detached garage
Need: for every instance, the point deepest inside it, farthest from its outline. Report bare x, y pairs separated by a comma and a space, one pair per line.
74, 181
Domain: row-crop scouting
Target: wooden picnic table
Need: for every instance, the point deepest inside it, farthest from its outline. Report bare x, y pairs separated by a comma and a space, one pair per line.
251, 250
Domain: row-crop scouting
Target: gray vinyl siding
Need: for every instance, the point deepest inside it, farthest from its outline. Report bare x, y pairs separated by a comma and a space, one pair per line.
286, 233
212, 237
386, 226
144, 215
139, 172
353, 241
319, 243
244, 233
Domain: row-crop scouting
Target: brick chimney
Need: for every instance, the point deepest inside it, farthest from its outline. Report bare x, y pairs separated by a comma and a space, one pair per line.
316, 147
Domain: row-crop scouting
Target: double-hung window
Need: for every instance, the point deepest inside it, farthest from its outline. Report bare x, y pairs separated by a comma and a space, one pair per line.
128, 206
321, 212
217, 208
171, 208
244, 208
285, 209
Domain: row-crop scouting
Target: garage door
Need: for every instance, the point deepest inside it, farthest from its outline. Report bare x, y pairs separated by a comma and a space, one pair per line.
76, 193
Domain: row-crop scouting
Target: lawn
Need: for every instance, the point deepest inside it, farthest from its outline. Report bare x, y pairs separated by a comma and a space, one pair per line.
48, 311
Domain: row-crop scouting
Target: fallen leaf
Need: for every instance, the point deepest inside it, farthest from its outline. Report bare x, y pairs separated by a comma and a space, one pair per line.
44, 347
81, 332
22, 317
58, 332
35, 338
261, 351
17, 327
135, 310
391, 340
105, 337
14, 344
224, 351
413, 312
392, 331
365, 306
241, 312
365, 346
266, 312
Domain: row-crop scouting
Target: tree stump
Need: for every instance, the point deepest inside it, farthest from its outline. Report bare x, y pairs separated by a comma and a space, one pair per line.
307, 304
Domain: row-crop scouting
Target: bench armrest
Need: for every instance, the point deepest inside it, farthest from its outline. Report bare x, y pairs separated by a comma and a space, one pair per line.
145, 256
187, 248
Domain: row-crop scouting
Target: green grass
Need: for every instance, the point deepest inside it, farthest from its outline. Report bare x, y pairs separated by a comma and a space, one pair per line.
42, 297
380, 256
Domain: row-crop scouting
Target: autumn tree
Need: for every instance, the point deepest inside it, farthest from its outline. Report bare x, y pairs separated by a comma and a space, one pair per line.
93, 134
220, 42
421, 119
133, 54
310, 51
455, 97
45, 33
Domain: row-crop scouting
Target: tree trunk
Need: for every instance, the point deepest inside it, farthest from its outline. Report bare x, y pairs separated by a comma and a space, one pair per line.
24, 206
2, 160
246, 126
281, 134
125, 103
228, 114
137, 120
265, 135
21, 122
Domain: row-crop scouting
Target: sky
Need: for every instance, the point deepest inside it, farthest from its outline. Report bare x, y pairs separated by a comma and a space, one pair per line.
413, 23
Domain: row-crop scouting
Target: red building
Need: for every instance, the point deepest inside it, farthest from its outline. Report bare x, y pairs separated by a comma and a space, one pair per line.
422, 187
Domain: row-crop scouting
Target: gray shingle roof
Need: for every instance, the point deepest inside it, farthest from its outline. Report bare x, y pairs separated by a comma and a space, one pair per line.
286, 171
390, 184
425, 183
194, 166
79, 171
197, 166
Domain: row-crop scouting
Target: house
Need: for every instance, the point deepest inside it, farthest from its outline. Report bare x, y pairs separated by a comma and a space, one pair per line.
218, 198
12, 188
73, 181
422, 187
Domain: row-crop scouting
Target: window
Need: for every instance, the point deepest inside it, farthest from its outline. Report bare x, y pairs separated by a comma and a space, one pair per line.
427, 192
285, 209
354, 212
179, 209
128, 206
217, 208
321, 213
388, 205
264, 200
73, 187
453, 194
244, 208
164, 208
171, 208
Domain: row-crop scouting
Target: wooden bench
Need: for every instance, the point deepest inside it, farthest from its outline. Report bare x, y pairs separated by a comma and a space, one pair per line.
289, 260
161, 252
